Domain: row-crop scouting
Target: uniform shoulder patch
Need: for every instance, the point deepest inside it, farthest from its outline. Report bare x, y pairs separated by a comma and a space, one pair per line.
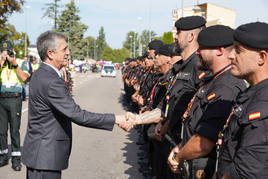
201, 75
211, 96
163, 83
254, 115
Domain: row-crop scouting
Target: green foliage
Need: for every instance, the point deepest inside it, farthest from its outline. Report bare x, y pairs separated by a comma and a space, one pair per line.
52, 11
9, 32
69, 24
145, 38
135, 41
168, 38
131, 42
115, 55
7, 7
101, 42
88, 47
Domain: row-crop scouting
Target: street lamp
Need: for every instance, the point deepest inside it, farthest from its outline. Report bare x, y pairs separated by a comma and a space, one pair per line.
140, 48
95, 50
25, 35
87, 48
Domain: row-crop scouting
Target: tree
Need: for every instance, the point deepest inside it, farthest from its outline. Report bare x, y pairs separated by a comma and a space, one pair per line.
69, 24
115, 55
134, 41
52, 11
145, 38
7, 7
88, 46
18, 39
168, 38
131, 42
101, 42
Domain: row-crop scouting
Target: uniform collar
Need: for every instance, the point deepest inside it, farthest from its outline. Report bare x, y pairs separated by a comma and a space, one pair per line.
176, 67
249, 93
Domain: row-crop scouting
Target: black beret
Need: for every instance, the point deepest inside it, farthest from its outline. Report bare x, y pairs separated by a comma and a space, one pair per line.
165, 49
216, 36
253, 35
132, 60
155, 44
128, 59
190, 22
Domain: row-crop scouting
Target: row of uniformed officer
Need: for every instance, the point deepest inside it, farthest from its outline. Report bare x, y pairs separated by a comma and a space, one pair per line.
210, 106
184, 80
239, 150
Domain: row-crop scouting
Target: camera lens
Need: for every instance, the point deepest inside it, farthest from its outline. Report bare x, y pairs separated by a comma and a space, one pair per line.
10, 53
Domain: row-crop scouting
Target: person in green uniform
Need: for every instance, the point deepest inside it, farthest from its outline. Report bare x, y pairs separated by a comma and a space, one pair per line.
11, 80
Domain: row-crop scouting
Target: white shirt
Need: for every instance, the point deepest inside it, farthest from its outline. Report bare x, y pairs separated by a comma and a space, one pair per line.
58, 72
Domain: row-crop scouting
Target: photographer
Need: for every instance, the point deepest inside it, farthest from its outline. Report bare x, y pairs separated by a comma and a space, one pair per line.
31, 65
11, 80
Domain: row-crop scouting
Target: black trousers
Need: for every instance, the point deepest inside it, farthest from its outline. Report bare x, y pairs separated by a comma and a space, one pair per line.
10, 113
42, 174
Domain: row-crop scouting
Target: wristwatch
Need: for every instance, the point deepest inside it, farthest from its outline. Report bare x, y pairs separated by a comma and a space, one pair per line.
15, 66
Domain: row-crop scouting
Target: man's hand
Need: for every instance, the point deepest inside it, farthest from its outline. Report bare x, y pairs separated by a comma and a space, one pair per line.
161, 129
172, 162
137, 87
122, 122
12, 60
130, 116
157, 131
133, 118
140, 101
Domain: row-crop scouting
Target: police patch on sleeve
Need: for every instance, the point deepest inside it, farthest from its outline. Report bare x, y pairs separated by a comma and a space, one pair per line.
201, 75
255, 115
211, 96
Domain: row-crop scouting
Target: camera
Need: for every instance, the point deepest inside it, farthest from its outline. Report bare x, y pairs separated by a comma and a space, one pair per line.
10, 53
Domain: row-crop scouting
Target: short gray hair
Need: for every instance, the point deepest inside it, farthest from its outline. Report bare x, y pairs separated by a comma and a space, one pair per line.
47, 41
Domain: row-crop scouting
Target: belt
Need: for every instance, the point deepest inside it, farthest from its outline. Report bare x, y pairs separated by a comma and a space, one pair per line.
9, 95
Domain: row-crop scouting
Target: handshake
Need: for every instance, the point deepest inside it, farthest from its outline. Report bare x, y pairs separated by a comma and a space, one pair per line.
129, 120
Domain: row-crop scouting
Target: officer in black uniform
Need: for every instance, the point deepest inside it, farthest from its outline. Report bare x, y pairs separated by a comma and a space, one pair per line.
188, 76
163, 64
244, 140
183, 83
153, 75
210, 106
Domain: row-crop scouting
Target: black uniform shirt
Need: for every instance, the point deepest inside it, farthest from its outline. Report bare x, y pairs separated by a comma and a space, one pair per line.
149, 84
188, 81
245, 143
158, 92
212, 105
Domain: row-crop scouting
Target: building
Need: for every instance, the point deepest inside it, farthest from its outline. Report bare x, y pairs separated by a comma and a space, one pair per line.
214, 14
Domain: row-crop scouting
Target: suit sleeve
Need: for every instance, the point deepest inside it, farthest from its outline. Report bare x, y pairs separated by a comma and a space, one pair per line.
63, 104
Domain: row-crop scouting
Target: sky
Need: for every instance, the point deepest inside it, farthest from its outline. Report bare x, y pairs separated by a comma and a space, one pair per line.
121, 16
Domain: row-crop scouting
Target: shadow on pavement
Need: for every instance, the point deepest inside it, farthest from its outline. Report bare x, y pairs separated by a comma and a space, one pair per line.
136, 150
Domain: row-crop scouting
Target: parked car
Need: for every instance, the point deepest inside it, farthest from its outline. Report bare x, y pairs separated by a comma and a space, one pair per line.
108, 70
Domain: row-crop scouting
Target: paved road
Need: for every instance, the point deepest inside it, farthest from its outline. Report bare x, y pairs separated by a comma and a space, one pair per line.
96, 154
